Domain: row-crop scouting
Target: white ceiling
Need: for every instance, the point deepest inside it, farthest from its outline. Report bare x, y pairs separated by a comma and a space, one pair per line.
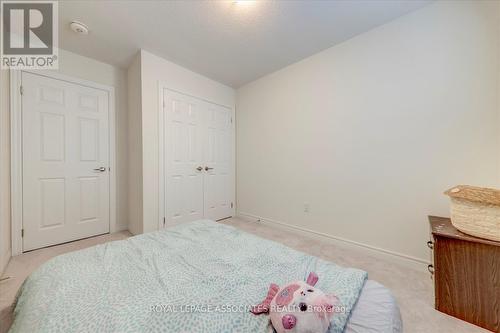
233, 43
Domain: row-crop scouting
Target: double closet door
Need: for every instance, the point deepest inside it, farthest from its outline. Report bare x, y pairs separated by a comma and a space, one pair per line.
198, 159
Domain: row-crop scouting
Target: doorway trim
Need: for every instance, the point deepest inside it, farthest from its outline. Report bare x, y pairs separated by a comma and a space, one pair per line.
16, 170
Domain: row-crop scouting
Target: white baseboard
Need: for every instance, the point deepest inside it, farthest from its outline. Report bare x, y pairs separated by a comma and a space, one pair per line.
391, 256
4, 261
119, 227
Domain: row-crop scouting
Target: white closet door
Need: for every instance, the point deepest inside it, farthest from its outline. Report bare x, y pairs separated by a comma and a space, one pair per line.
218, 162
65, 143
198, 159
183, 158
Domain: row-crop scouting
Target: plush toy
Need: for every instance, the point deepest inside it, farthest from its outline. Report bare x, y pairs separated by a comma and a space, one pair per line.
298, 307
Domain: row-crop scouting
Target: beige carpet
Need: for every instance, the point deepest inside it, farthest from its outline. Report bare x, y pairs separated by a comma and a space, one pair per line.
412, 289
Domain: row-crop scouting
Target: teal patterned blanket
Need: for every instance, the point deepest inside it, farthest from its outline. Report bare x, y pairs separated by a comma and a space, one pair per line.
196, 277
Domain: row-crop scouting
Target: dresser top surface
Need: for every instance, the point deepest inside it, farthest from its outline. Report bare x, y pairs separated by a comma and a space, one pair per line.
441, 226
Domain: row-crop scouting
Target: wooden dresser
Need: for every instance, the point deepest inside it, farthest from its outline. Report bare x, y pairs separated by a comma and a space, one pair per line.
466, 275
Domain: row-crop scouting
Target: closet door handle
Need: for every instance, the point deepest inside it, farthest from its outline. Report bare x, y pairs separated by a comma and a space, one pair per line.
199, 168
207, 168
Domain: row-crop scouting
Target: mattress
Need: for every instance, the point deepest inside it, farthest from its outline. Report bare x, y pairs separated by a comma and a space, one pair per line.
144, 283
375, 312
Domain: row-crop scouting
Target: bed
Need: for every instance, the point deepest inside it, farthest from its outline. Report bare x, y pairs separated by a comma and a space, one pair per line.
196, 277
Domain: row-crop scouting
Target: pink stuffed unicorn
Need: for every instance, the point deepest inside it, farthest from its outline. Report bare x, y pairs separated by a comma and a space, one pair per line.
298, 307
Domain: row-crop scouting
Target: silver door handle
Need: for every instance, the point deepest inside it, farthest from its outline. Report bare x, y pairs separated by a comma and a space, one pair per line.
199, 168
207, 168
101, 169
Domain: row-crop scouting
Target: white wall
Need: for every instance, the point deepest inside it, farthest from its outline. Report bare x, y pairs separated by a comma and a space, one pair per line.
153, 70
371, 132
135, 146
5, 245
85, 68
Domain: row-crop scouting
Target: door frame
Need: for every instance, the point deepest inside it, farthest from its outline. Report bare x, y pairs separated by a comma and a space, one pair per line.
16, 178
161, 156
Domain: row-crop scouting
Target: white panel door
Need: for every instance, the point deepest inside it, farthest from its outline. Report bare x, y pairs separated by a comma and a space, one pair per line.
183, 158
198, 159
218, 157
65, 161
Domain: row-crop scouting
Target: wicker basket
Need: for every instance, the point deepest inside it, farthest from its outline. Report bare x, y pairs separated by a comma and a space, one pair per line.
476, 211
